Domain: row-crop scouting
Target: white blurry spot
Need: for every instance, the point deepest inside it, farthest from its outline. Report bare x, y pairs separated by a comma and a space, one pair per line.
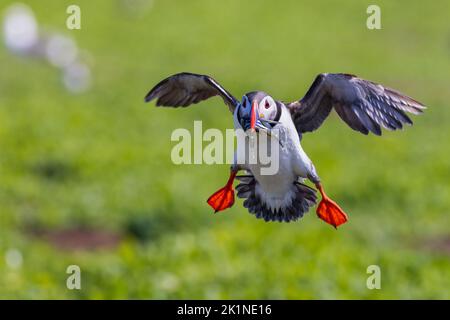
77, 77
168, 282
20, 30
13, 258
61, 51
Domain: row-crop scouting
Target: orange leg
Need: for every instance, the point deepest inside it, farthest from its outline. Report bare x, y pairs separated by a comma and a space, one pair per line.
329, 211
224, 197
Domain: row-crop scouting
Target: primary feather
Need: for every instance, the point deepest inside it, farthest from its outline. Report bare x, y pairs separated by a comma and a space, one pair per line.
364, 105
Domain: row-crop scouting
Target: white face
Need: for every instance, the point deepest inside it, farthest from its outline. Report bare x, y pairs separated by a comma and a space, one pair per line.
267, 109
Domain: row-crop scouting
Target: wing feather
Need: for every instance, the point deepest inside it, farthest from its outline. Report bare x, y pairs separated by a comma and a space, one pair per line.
363, 105
184, 89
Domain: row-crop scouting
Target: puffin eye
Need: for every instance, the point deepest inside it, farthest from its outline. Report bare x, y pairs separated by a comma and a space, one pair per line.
267, 104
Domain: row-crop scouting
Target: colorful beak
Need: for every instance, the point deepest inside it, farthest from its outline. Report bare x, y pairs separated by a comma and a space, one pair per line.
253, 115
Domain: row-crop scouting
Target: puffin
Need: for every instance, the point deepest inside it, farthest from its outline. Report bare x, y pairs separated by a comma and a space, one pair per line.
283, 196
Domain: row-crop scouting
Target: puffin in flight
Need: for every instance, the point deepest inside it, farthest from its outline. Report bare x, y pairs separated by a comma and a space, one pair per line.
363, 105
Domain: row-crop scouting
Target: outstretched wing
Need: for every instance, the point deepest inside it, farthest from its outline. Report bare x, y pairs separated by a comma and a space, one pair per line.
184, 89
362, 104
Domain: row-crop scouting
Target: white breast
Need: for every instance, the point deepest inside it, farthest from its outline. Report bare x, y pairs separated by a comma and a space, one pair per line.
277, 189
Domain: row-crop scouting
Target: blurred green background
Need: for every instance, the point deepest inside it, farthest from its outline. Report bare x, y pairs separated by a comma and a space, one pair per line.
86, 178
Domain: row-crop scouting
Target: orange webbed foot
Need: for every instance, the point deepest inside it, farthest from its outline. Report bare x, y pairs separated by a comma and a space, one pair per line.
224, 197
329, 211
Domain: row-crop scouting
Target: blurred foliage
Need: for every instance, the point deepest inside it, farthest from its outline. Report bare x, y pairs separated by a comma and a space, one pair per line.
102, 159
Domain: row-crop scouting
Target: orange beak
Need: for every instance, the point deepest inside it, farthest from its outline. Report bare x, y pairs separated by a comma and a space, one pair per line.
253, 115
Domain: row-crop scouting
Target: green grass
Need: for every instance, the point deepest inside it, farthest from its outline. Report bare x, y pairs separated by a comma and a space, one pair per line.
102, 159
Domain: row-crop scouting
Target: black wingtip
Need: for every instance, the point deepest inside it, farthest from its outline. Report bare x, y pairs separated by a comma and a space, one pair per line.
148, 97
377, 133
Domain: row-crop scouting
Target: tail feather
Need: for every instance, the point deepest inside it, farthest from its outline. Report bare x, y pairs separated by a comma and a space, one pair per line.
303, 198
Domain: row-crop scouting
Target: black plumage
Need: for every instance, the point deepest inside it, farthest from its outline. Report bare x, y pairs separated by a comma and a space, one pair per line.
184, 89
364, 105
305, 197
